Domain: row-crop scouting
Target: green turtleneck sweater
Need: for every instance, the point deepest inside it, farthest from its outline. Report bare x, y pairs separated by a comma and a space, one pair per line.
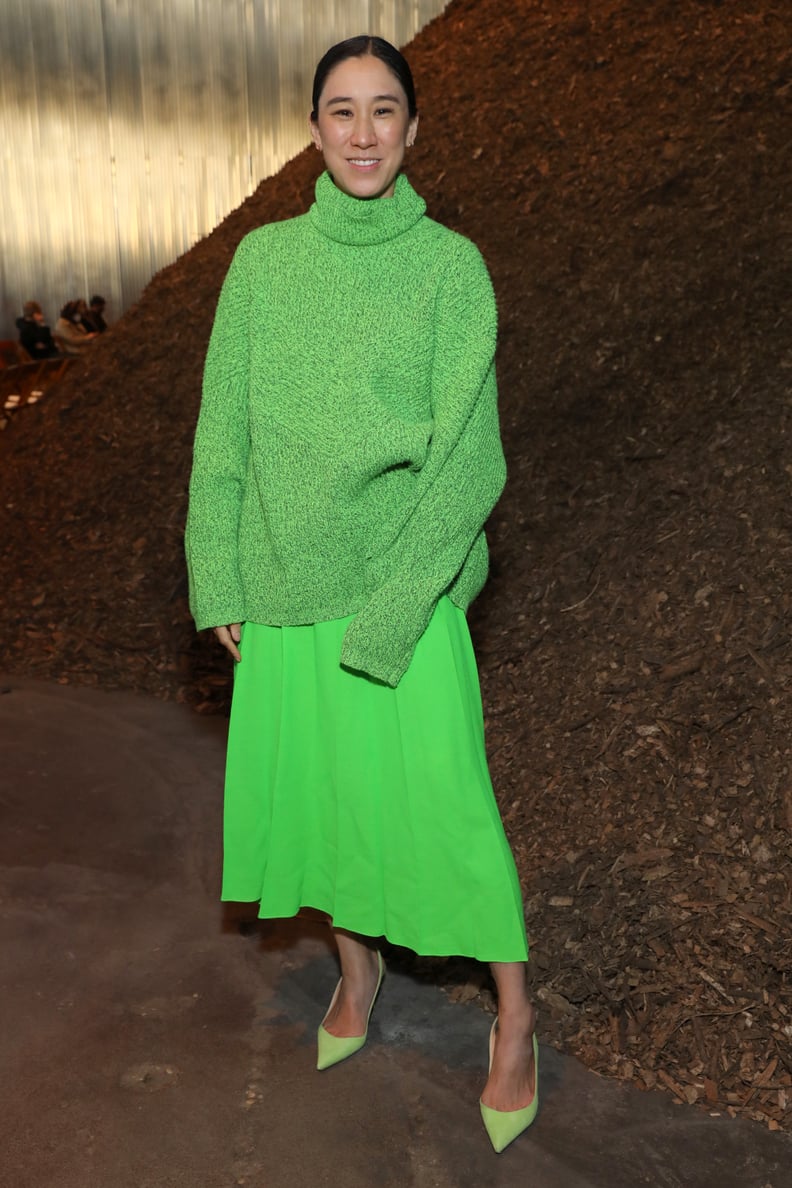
347, 452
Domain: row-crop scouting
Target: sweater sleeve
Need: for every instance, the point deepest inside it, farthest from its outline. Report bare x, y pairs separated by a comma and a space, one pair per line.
458, 486
220, 457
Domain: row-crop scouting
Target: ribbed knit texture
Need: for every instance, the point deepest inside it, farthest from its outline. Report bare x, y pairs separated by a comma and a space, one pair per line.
347, 453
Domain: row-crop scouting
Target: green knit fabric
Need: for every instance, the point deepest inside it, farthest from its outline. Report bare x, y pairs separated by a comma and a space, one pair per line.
347, 453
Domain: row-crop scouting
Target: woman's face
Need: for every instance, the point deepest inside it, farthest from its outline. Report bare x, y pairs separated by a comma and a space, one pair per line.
363, 126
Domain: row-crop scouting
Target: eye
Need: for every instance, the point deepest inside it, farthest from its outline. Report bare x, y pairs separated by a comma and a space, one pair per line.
342, 111
384, 111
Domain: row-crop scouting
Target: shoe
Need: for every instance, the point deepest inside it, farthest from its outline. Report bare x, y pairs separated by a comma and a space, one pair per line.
503, 1126
335, 1048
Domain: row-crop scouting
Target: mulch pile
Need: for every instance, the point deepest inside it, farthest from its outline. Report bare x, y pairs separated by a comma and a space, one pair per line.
625, 169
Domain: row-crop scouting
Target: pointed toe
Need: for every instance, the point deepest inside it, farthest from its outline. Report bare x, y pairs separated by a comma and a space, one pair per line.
332, 1049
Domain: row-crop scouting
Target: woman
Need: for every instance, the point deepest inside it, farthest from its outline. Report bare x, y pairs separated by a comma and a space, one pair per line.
70, 334
346, 458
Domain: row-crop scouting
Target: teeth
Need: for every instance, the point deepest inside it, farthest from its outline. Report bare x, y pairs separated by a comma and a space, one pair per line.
363, 160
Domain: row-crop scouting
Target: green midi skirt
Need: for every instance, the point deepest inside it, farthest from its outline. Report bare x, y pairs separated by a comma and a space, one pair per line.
369, 803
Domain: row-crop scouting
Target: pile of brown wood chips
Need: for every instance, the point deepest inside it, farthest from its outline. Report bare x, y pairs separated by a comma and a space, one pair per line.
625, 169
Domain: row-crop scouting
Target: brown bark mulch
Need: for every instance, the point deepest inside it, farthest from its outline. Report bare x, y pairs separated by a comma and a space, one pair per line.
625, 169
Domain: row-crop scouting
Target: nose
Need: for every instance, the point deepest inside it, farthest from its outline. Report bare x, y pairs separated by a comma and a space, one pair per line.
363, 134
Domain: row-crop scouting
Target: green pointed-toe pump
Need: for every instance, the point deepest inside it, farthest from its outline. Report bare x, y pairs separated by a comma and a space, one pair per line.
332, 1049
504, 1126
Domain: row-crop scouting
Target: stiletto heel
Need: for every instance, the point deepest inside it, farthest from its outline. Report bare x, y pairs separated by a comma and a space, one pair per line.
503, 1126
332, 1049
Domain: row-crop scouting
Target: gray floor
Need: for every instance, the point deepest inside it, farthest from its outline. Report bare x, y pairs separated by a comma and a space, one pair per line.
145, 1042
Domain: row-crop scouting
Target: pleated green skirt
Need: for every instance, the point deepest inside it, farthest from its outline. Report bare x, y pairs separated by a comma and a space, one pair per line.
371, 804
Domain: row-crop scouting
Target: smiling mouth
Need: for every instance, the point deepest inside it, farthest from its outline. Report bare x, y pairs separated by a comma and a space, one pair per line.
364, 162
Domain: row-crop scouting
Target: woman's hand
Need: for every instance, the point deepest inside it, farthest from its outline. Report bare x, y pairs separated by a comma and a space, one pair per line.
229, 637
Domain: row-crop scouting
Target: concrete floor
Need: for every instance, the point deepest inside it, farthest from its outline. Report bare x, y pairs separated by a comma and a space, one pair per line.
145, 1042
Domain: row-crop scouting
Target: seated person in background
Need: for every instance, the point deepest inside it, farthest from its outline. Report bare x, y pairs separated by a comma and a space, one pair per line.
72, 336
93, 316
34, 335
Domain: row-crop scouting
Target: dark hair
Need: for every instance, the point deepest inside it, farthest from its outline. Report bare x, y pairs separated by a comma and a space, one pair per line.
358, 47
97, 301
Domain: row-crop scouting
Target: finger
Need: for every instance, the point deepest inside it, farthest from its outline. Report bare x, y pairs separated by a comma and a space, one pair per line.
224, 637
233, 649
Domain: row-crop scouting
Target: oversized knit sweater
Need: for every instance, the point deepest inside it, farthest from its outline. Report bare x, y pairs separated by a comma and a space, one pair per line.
347, 452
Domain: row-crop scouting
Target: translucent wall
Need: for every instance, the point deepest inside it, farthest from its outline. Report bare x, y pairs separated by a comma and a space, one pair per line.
130, 128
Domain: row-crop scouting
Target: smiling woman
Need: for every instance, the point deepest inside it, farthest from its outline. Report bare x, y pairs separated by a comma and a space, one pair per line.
364, 116
347, 457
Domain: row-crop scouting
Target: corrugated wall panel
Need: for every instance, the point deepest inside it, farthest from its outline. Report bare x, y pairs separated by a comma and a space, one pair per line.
130, 128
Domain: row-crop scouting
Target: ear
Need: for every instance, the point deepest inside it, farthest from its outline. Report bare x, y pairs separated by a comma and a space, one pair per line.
315, 137
412, 131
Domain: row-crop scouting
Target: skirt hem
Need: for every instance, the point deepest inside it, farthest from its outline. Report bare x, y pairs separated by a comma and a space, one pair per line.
402, 942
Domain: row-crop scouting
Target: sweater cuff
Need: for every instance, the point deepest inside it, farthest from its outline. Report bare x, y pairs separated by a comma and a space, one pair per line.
214, 617
380, 640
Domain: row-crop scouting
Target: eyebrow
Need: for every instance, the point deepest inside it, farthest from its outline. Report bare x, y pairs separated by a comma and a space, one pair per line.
377, 99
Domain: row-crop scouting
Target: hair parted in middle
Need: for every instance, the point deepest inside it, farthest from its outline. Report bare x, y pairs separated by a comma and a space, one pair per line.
358, 47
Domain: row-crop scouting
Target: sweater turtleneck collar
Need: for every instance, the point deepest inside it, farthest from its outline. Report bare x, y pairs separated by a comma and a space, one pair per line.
363, 221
